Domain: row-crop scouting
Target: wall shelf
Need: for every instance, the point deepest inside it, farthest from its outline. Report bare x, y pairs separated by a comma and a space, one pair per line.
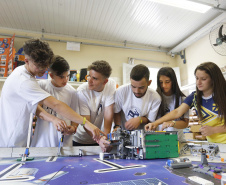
2, 79
72, 83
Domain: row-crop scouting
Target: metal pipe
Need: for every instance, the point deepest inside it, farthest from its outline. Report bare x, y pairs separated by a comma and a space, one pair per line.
151, 60
19, 36
123, 47
87, 43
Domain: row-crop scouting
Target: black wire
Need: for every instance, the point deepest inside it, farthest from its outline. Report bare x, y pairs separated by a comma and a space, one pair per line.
54, 175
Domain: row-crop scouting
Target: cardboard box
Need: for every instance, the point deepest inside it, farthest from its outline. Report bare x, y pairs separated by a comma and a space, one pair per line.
195, 128
188, 135
200, 137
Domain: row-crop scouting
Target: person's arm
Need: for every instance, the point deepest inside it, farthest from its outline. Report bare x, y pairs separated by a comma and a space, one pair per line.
108, 118
208, 130
180, 124
104, 144
71, 129
64, 110
175, 114
117, 120
134, 123
59, 124
87, 118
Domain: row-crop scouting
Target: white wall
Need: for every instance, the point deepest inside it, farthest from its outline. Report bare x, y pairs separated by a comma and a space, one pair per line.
199, 52
89, 53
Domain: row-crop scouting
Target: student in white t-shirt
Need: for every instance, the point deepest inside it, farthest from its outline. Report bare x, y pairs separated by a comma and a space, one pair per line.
96, 102
46, 133
172, 97
21, 95
136, 104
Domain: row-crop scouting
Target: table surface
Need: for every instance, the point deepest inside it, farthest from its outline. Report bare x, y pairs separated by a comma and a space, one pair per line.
91, 170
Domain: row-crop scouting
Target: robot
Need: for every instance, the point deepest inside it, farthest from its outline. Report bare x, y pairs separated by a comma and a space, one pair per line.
139, 144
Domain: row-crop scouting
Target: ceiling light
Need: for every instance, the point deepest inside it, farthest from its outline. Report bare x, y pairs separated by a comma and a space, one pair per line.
185, 4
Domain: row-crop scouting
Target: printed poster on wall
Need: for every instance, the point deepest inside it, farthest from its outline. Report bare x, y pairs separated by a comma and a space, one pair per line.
10, 61
6, 55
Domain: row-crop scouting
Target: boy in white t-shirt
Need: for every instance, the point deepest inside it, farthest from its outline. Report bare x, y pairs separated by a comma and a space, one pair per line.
21, 95
96, 102
135, 103
46, 133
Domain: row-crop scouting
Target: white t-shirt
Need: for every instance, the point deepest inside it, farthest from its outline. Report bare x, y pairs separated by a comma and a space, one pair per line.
46, 134
170, 104
146, 106
93, 103
20, 96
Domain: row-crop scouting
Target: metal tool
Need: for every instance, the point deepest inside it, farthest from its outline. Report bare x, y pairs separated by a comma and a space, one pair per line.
26, 153
60, 146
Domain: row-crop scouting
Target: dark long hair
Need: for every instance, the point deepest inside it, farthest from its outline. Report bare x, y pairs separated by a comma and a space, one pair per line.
169, 72
219, 89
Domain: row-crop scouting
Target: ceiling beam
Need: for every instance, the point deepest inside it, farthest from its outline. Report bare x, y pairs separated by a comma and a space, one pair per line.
198, 34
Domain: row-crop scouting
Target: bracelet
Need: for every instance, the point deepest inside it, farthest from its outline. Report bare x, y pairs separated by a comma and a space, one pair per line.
117, 126
174, 123
84, 121
141, 121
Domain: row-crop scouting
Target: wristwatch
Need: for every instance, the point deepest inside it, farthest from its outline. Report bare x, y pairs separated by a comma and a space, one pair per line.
174, 123
117, 126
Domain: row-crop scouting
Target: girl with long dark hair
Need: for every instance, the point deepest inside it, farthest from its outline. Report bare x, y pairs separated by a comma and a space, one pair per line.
209, 101
172, 97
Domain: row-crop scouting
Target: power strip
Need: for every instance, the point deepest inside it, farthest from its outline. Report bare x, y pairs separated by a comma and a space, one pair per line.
200, 180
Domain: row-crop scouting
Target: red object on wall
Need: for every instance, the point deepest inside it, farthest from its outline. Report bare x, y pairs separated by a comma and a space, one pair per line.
7, 53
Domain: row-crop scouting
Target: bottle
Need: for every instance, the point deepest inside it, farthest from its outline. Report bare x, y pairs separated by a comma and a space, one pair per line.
78, 76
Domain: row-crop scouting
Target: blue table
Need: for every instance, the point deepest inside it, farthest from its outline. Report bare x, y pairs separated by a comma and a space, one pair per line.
91, 170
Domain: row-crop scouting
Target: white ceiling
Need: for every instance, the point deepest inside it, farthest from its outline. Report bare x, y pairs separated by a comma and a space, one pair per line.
138, 22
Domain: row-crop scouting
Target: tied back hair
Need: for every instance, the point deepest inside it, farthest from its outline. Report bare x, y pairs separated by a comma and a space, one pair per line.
219, 89
169, 72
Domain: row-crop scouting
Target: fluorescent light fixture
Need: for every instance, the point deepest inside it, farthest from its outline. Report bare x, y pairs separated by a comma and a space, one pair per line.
185, 4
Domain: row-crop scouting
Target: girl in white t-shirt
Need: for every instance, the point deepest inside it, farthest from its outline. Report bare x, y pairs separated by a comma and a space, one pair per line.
172, 97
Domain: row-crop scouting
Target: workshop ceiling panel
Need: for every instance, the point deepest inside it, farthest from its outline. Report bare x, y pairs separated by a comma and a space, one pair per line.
140, 22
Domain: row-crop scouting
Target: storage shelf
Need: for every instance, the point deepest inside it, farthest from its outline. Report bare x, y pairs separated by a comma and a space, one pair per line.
74, 84
2, 79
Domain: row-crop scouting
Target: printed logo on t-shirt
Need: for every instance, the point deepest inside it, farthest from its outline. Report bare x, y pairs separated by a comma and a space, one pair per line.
207, 115
100, 108
215, 107
50, 111
167, 110
132, 113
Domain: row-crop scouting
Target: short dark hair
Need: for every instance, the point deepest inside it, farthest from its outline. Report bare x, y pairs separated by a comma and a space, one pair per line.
101, 67
140, 71
39, 51
59, 65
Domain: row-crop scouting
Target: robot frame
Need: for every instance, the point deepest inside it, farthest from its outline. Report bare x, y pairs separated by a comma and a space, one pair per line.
139, 144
